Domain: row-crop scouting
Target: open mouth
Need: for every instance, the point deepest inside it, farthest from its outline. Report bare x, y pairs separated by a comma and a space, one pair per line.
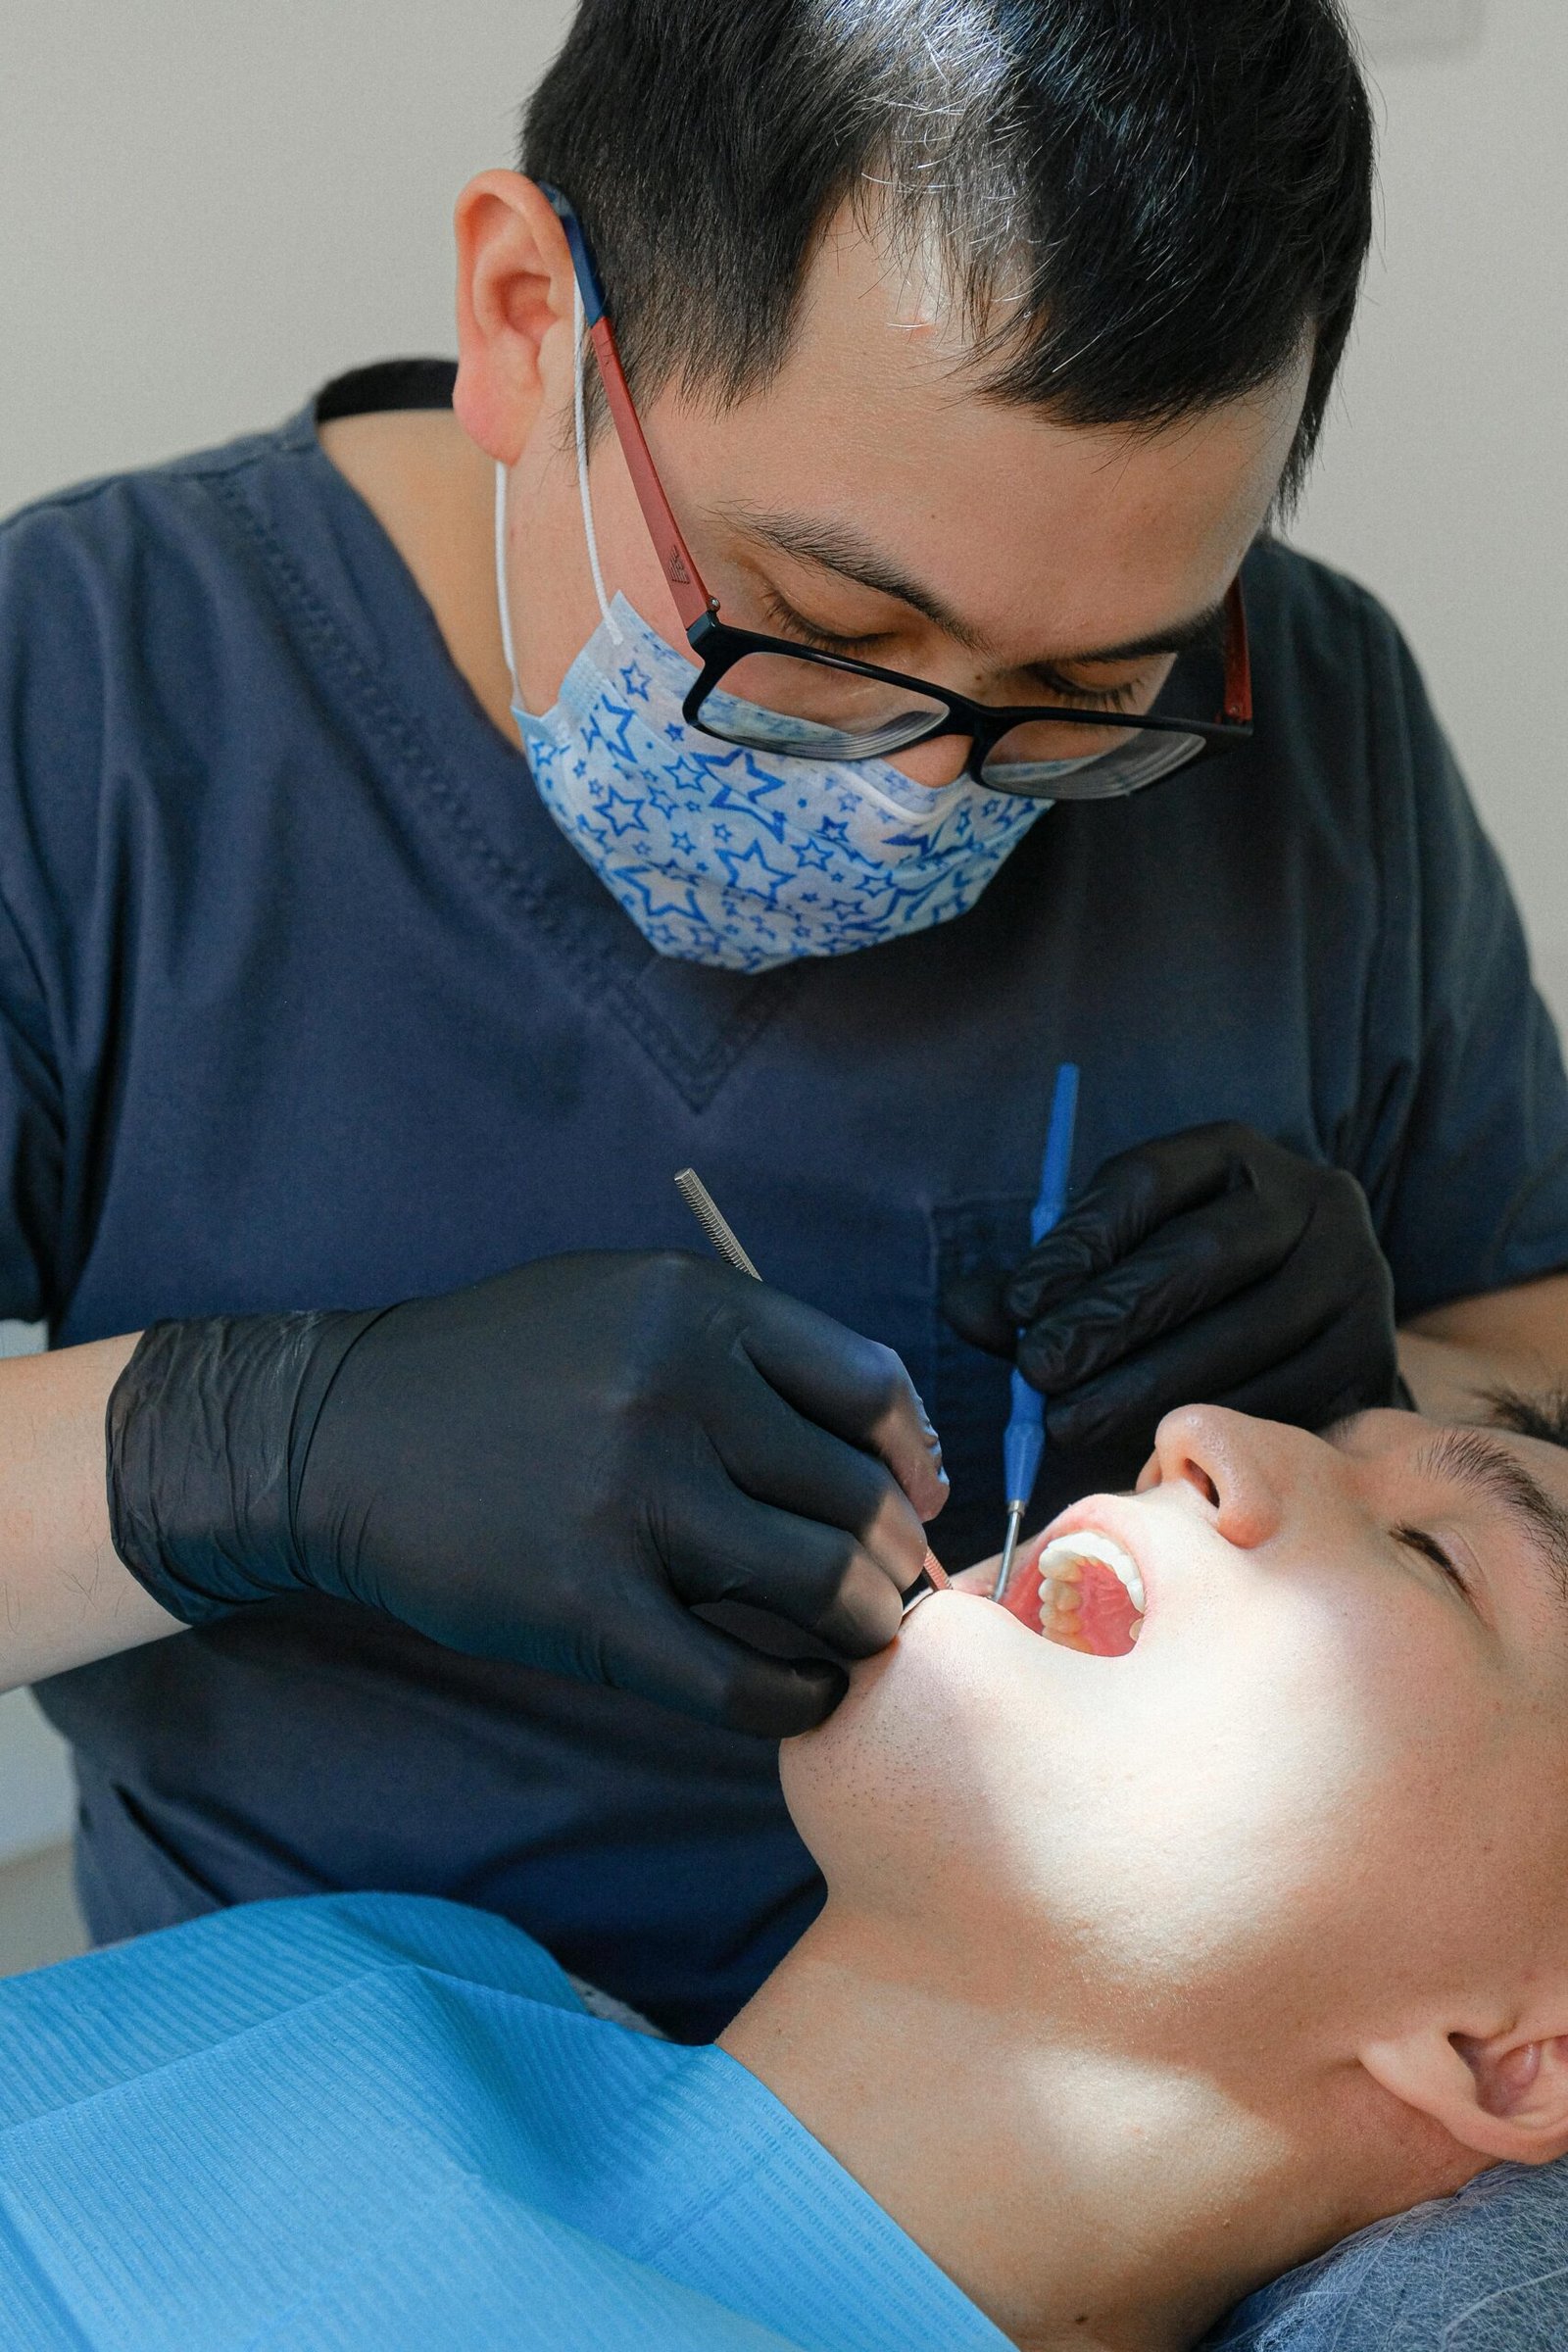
1085, 1593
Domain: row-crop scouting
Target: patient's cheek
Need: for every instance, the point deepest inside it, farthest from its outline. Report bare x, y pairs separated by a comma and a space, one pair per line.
1082, 1605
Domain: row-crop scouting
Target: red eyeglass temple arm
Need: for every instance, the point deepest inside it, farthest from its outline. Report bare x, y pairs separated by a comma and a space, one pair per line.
1237, 659
692, 599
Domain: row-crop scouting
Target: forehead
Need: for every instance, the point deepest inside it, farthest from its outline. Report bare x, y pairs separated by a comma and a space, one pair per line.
879, 413
1462, 1452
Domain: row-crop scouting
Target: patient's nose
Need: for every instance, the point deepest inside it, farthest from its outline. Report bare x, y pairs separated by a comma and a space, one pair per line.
1230, 1463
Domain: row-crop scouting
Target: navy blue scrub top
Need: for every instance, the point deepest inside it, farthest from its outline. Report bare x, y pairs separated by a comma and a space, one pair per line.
305, 1002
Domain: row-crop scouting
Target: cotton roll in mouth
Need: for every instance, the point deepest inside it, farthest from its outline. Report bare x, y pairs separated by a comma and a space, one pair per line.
1083, 1593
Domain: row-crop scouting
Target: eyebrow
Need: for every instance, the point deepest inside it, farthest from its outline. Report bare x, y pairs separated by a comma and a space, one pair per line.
1489, 1472
835, 548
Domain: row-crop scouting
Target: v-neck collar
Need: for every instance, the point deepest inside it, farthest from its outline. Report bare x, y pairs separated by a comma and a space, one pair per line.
694, 1023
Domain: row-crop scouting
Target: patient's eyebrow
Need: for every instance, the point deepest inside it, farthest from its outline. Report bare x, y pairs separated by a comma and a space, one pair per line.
1492, 1474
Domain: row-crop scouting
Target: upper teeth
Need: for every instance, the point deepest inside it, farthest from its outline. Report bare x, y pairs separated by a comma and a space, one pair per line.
1089, 1544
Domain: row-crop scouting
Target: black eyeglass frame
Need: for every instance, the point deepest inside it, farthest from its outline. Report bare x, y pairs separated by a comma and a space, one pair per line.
719, 646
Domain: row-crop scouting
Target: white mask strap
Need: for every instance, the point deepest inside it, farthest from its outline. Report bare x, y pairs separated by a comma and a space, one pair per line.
578, 408
507, 645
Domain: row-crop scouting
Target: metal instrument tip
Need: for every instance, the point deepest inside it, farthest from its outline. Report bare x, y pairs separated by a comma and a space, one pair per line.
1015, 1512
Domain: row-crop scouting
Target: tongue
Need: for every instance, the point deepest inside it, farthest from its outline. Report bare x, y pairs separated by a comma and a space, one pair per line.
1081, 1605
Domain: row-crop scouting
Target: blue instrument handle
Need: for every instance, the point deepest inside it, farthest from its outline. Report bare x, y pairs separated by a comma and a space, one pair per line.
1024, 1441
1056, 1166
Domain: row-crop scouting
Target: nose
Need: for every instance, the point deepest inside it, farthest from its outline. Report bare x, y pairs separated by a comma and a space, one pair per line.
1231, 1464
936, 763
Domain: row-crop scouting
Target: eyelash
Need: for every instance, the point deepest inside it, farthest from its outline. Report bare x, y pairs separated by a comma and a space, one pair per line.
1416, 1538
1101, 698
786, 618
854, 648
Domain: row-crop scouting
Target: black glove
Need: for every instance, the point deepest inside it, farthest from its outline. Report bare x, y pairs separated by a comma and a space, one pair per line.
1209, 1267
550, 1467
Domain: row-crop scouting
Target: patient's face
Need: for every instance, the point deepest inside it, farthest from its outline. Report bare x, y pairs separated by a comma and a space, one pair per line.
1332, 1773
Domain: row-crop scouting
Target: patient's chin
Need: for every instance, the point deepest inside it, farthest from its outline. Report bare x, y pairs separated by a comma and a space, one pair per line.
919, 1721
903, 1788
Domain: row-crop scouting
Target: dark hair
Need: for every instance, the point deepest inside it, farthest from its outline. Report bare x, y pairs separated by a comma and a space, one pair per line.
1543, 1416
1143, 207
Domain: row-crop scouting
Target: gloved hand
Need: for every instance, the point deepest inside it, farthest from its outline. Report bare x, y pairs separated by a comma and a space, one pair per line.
1211, 1267
549, 1467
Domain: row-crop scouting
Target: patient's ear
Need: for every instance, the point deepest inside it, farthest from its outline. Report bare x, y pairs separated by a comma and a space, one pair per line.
1504, 2095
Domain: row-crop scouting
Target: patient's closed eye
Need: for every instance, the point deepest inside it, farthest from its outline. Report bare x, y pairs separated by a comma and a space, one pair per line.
1416, 1538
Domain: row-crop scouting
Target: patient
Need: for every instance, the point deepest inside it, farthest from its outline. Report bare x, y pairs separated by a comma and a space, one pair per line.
1140, 1979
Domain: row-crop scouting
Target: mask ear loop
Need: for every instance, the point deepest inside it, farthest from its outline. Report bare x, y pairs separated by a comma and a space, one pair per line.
507, 645
579, 411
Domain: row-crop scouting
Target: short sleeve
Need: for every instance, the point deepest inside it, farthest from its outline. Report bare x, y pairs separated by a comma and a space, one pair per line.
1472, 1194
30, 1152
49, 770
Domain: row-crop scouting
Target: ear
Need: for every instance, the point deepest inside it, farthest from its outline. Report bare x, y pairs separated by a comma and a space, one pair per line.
1504, 2095
514, 311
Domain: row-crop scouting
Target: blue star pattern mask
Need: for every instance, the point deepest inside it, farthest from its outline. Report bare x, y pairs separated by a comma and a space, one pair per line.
730, 856
723, 856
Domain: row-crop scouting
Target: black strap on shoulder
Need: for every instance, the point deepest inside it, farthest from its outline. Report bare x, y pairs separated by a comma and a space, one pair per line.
387, 384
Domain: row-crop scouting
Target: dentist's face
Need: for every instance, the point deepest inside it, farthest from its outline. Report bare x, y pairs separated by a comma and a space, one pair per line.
1329, 1777
871, 499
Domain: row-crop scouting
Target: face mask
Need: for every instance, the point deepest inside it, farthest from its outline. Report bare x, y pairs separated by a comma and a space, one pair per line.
730, 856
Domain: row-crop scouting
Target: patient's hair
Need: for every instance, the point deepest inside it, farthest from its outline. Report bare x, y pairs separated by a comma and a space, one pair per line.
1139, 207
1543, 1414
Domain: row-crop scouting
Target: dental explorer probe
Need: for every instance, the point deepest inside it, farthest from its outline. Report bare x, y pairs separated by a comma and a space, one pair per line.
706, 1209
1024, 1441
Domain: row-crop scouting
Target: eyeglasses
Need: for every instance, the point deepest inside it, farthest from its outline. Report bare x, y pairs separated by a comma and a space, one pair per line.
769, 694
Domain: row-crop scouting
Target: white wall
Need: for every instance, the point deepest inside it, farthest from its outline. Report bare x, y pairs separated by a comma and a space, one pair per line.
207, 208
1418, 27
1443, 480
